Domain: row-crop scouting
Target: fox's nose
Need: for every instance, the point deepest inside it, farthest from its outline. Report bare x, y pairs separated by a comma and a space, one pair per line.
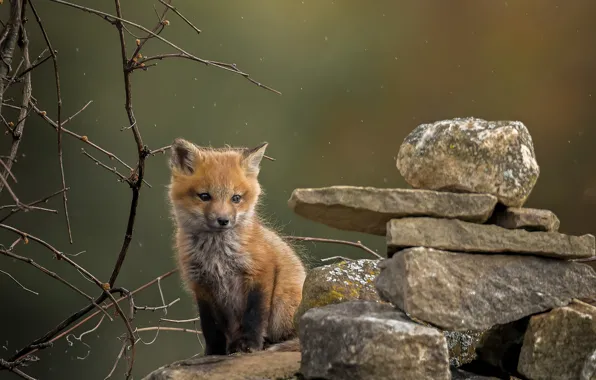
223, 221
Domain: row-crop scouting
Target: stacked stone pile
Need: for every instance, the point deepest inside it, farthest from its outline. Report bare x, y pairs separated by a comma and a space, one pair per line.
463, 254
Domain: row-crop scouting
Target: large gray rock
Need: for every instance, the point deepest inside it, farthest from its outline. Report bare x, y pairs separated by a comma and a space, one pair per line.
368, 209
455, 235
338, 282
558, 344
459, 291
369, 340
530, 219
471, 155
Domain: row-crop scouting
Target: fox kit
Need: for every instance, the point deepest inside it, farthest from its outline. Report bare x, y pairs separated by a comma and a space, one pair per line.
246, 280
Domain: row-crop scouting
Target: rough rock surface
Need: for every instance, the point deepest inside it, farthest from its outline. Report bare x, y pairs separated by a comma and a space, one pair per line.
262, 365
558, 344
368, 209
355, 280
462, 346
471, 155
368, 340
459, 291
455, 235
529, 219
338, 282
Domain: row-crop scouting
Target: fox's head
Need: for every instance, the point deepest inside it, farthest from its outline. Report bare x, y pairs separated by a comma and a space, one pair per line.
214, 190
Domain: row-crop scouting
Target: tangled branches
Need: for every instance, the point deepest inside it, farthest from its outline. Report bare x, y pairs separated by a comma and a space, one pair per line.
14, 74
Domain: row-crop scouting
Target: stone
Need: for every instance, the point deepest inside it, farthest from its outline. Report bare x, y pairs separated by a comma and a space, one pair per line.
558, 344
456, 235
461, 291
355, 280
529, 219
471, 155
369, 340
368, 209
262, 365
338, 282
462, 346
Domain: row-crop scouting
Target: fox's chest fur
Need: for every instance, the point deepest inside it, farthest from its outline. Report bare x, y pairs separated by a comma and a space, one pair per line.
216, 262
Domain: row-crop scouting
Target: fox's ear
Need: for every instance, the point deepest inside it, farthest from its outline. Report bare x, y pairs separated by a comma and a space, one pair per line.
251, 159
183, 156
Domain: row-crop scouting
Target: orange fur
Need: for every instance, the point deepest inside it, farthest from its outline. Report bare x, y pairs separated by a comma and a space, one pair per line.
221, 264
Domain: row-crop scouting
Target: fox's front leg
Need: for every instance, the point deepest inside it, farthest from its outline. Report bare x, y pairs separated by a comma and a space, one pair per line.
213, 332
250, 338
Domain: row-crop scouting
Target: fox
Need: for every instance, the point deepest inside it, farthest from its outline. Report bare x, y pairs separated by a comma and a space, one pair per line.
245, 278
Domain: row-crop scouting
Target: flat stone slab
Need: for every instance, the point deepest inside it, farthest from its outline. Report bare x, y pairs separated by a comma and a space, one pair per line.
456, 235
560, 344
529, 219
460, 291
263, 365
368, 209
368, 340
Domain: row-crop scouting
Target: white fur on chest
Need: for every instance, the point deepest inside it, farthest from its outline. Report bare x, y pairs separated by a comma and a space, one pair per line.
217, 264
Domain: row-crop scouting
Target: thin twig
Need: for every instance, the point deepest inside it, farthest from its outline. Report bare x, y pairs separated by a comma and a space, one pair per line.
183, 53
168, 147
17, 132
155, 308
153, 328
76, 113
121, 177
192, 320
42, 200
181, 16
57, 332
335, 241
117, 360
53, 275
59, 117
17, 281
35, 63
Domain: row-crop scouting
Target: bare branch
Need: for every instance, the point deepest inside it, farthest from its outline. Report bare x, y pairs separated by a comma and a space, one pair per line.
183, 53
121, 177
30, 205
7, 49
17, 281
334, 241
59, 117
53, 275
181, 16
192, 320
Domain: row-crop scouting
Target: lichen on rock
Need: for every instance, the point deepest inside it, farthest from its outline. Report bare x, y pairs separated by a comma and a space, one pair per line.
339, 282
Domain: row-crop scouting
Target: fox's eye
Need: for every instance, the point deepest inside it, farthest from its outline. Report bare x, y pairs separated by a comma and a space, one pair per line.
236, 198
205, 197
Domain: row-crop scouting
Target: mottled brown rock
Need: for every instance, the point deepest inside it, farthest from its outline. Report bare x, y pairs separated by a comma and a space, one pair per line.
338, 282
355, 280
368, 209
262, 365
529, 219
460, 291
368, 340
471, 155
559, 344
455, 235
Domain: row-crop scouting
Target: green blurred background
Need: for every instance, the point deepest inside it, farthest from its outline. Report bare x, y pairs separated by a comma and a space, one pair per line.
356, 78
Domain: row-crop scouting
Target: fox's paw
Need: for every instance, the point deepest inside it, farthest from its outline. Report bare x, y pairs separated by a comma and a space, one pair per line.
245, 344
